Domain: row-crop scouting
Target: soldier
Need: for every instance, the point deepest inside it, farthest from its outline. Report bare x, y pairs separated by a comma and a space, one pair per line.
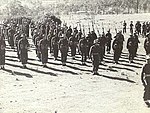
118, 46
124, 26
131, 27
145, 78
108, 41
144, 30
102, 42
147, 44
11, 33
37, 40
83, 46
69, 32
94, 55
63, 46
2, 51
138, 27
23, 50
17, 38
43, 48
131, 46
73, 41
54, 45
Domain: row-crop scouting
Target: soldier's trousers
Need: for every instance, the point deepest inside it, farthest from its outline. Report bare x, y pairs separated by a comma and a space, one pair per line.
44, 56
131, 30
24, 56
73, 50
108, 46
102, 52
146, 95
11, 41
55, 51
95, 62
84, 57
2, 58
124, 30
63, 57
117, 54
132, 54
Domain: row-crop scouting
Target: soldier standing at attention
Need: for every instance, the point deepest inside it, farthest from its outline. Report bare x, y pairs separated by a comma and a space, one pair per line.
73, 41
64, 46
94, 55
23, 50
131, 46
147, 44
54, 45
43, 48
131, 27
124, 27
83, 49
108, 41
145, 78
2, 51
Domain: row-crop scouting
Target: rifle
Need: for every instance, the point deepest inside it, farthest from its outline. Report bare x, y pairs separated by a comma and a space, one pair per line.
93, 26
89, 27
83, 31
98, 31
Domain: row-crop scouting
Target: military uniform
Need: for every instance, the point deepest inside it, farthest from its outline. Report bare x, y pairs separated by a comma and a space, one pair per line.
17, 38
83, 47
147, 45
43, 48
2, 52
131, 46
73, 45
145, 78
63, 46
108, 42
118, 46
23, 50
95, 56
11, 33
54, 45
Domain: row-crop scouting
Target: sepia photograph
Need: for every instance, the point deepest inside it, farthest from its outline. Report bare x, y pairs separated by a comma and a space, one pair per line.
74, 56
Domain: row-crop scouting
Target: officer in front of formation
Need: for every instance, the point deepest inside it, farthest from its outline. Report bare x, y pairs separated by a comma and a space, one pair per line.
2, 51
94, 55
63, 47
145, 78
23, 45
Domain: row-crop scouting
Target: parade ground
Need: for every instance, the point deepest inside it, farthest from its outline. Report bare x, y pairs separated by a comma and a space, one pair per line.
73, 88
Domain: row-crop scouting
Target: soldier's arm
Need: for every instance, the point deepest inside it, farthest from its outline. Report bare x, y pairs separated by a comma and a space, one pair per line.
142, 77
90, 53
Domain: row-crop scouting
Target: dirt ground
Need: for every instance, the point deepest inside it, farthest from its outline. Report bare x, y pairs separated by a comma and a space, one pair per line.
72, 88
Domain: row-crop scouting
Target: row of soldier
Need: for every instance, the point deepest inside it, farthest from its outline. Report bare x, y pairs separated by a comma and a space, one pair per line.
53, 36
142, 29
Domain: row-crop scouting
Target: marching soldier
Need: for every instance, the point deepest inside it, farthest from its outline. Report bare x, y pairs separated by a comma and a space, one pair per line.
2, 51
64, 46
118, 46
147, 44
11, 33
124, 27
102, 42
144, 30
145, 78
54, 45
131, 46
94, 55
23, 50
73, 41
43, 48
83, 46
131, 27
17, 38
37, 40
108, 41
